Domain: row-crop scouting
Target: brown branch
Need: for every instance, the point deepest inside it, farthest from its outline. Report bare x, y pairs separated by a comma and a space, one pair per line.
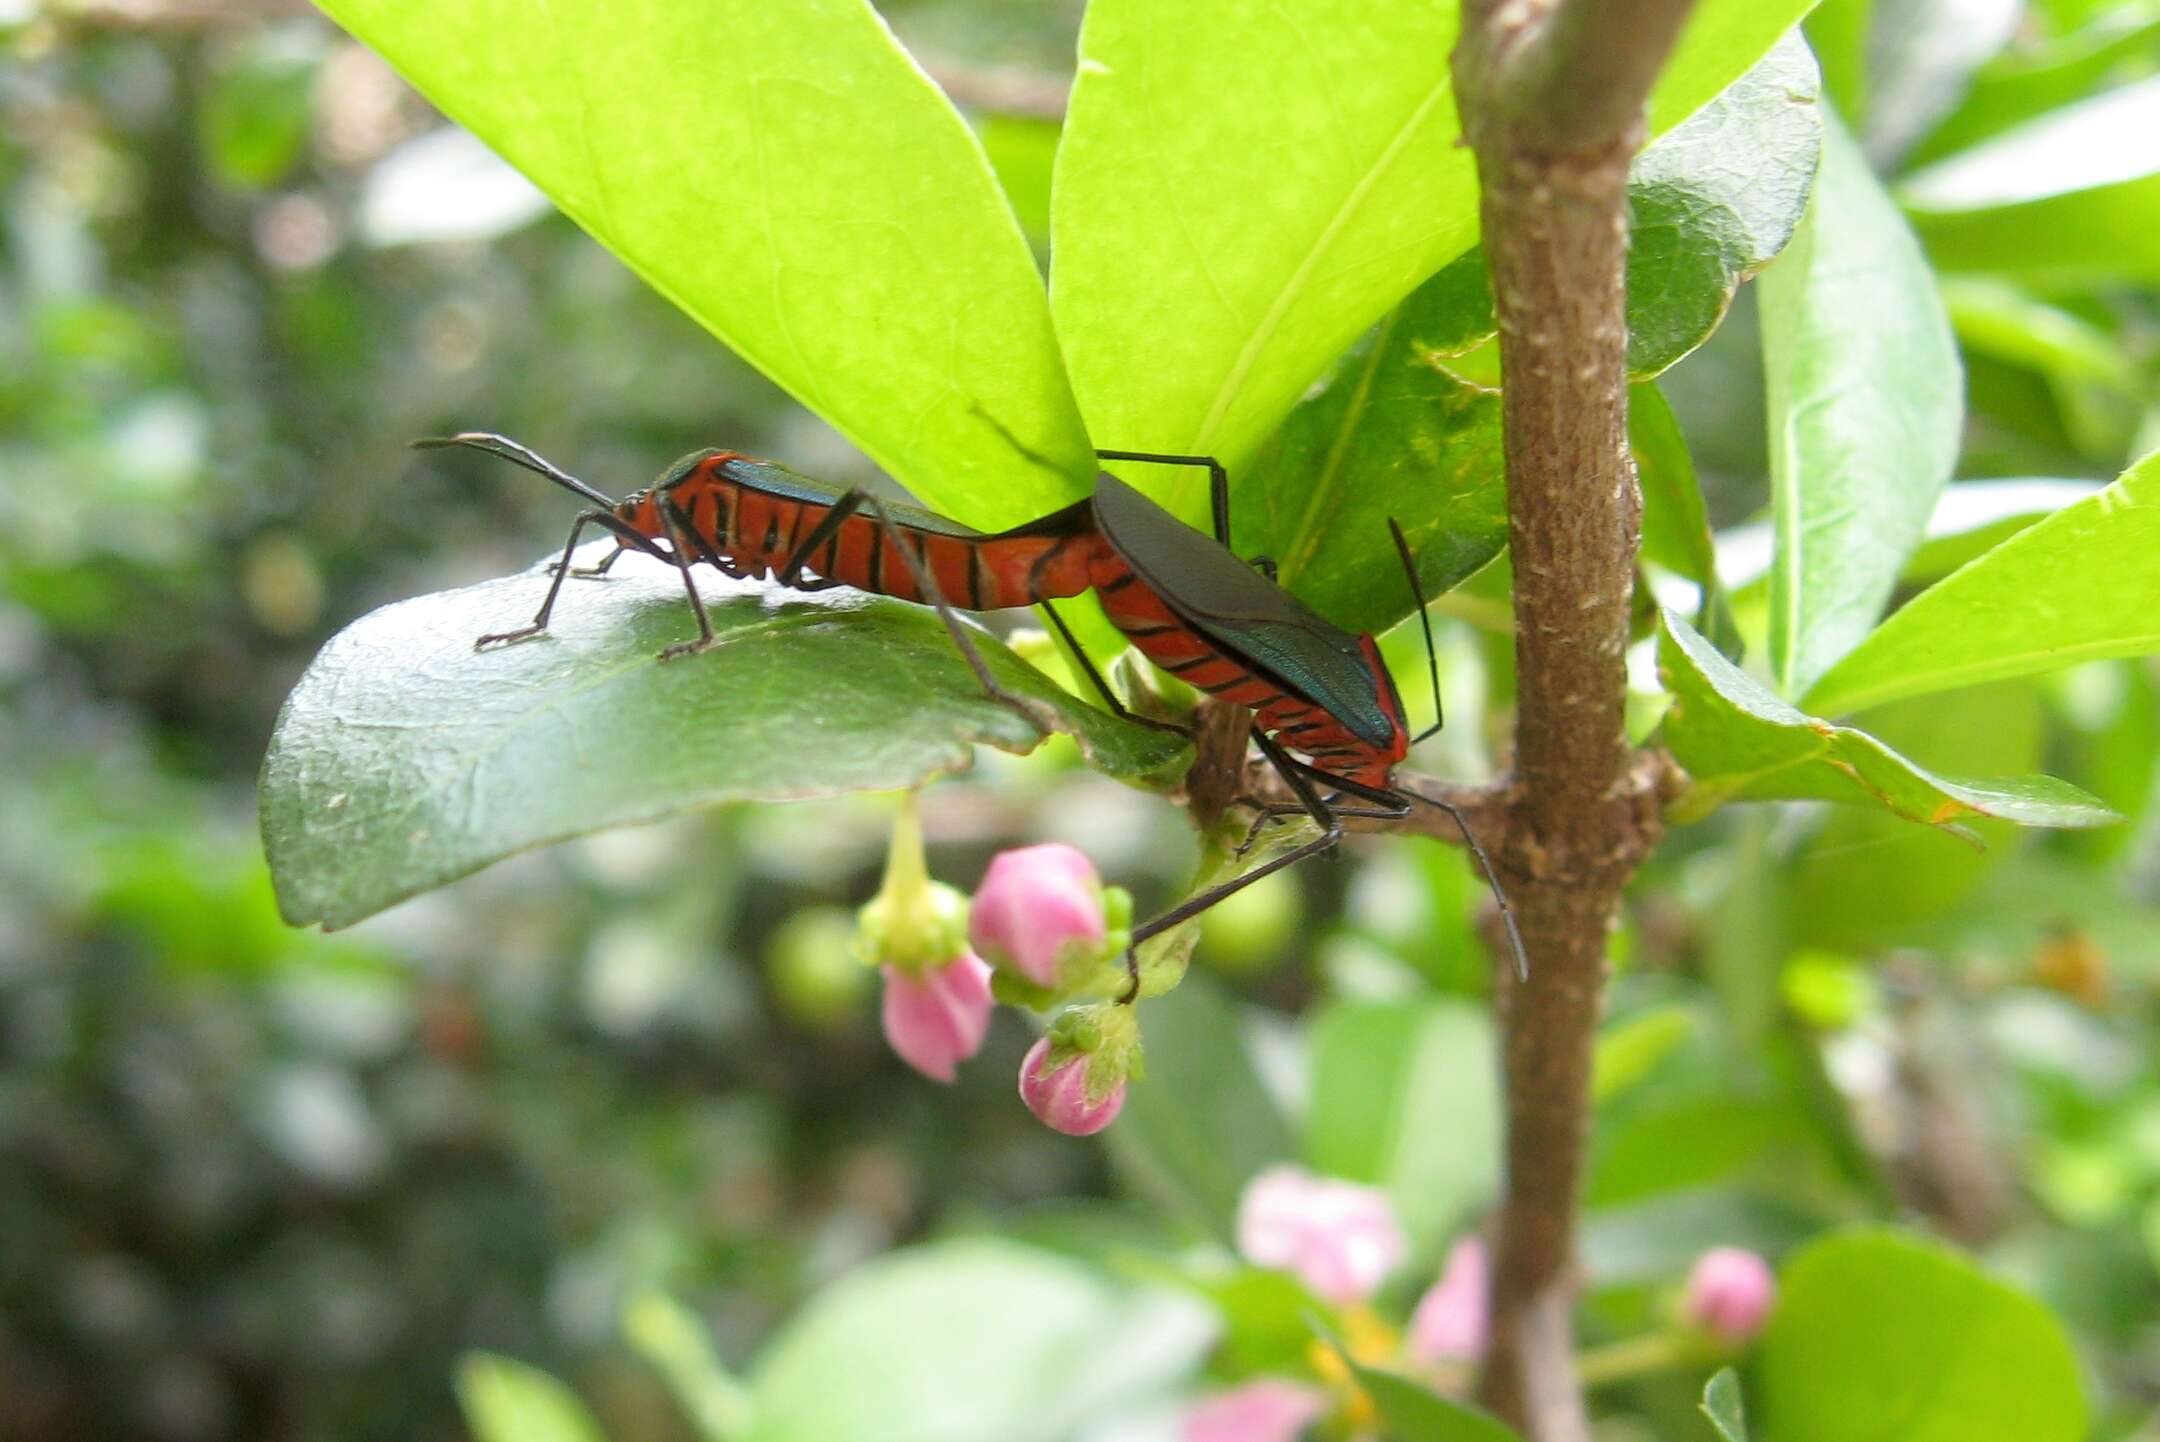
1551, 94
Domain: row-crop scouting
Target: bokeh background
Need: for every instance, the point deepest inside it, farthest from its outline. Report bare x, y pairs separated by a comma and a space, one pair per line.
269, 1184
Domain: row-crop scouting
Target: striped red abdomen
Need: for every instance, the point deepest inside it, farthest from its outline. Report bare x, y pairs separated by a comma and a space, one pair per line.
748, 532
1150, 624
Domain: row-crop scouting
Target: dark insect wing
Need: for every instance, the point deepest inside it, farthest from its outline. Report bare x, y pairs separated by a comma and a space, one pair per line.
1235, 606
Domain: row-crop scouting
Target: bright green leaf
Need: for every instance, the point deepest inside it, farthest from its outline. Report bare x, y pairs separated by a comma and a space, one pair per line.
1202, 1123
507, 1401
1739, 742
2069, 194
788, 176
404, 760
969, 1341
1721, 1404
1880, 1337
1866, 405
1212, 258
2079, 586
1405, 1097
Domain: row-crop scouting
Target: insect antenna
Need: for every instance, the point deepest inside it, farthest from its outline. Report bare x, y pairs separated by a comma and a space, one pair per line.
1492, 879
1432, 656
503, 448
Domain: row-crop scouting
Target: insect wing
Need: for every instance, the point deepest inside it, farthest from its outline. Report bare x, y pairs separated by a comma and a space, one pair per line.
1243, 611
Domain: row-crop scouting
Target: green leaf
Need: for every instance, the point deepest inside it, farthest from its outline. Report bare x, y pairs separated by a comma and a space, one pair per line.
2071, 194
1235, 248
254, 119
1676, 523
1628, 1051
1863, 879
1721, 1404
1715, 201
1974, 517
404, 760
507, 1401
674, 1342
1866, 404
788, 176
1397, 428
1414, 1413
1880, 1337
1202, 1123
969, 1341
1405, 1097
2079, 586
2037, 77
1390, 432
1739, 742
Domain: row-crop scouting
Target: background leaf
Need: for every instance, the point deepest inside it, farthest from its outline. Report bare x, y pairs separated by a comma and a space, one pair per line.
1202, 1123
404, 759
1879, 1337
1866, 405
969, 1341
1739, 742
1239, 247
1414, 1413
507, 1401
786, 175
1676, 522
1404, 1098
2071, 193
2081, 585
1721, 1404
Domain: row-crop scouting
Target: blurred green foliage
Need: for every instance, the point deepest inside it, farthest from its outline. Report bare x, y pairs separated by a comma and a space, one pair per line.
263, 1183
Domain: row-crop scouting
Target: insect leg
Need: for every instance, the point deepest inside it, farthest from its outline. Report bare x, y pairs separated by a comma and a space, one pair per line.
827, 527
1102, 687
1331, 832
1036, 714
547, 606
1218, 482
677, 524
593, 573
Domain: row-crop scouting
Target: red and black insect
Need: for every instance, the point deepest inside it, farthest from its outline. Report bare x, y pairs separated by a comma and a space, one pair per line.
1184, 600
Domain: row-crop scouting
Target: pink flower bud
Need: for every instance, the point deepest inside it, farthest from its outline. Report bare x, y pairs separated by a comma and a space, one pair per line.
1339, 1239
1267, 1410
1056, 1090
1729, 1293
936, 1018
1035, 903
1450, 1322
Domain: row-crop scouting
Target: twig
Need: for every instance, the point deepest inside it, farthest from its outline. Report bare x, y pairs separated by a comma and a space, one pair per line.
1551, 93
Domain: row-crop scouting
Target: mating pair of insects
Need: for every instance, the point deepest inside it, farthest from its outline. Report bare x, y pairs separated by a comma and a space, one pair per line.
1186, 602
